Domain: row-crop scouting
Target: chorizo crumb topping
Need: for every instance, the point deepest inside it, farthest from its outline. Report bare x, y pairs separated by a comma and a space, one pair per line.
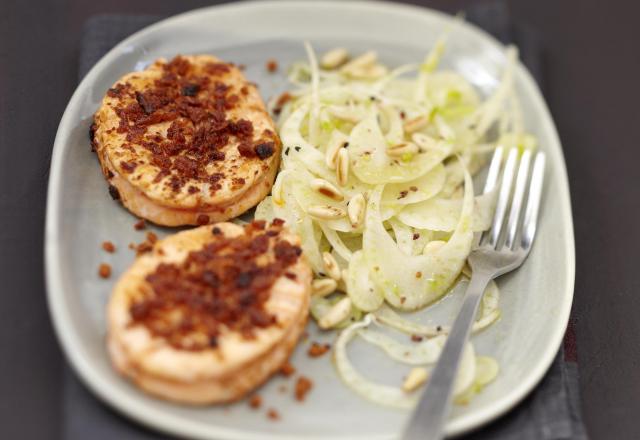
104, 270
316, 349
223, 285
195, 101
107, 246
303, 386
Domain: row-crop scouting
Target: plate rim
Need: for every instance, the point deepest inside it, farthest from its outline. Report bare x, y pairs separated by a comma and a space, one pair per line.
175, 425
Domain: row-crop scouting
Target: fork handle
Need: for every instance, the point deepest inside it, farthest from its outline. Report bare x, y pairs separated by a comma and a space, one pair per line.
429, 416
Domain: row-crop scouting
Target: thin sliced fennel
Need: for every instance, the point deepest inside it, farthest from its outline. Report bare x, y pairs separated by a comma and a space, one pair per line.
385, 394
410, 282
440, 214
413, 135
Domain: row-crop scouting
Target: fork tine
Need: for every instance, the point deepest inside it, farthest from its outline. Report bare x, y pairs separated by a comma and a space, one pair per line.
494, 170
518, 198
533, 203
503, 198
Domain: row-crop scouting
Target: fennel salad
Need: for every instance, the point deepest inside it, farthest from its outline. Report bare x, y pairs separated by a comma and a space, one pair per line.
376, 178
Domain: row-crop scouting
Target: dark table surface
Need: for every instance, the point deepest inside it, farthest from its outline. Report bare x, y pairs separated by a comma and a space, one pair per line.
591, 73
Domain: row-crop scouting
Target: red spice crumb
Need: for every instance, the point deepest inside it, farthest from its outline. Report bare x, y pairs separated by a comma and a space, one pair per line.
416, 236
104, 270
287, 369
413, 188
418, 274
416, 338
255, 401
303, 386
403, 115
272, 65
202, 219
107, 246
402, 299
151, 237
318, 349
403, 194
290, 275
140, 225
272, 414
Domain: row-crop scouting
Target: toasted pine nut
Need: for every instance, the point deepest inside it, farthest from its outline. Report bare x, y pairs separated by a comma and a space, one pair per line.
416, 124
355, 210
327, 189
400, 150
433, 246
331, 266
416, 377
367, 59
336, 142
326, 212
424, 141
338, 313
342, 167
334, 58
346, 114
372, 72
323, 286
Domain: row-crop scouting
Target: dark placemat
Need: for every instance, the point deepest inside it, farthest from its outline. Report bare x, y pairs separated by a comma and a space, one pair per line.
550, 412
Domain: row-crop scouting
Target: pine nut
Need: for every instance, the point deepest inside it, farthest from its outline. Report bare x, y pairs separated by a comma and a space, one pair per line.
327, 189
372, 72
367, 59
338, 140
403, 149
345, 114
338, 313
323, 286
433, 246
416, 377
356, 209
334, 58
416, 124
342, 167
326, 212
331, 266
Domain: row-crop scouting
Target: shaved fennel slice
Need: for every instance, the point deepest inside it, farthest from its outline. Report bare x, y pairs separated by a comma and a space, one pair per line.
415, 191
424, 352
364, 293
378, 393
387, 316
335, 241
387, 395
443, 214
410, 282
404, 235
371, 164
486, 371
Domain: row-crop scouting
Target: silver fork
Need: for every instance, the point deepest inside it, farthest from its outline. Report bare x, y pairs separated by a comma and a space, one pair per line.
500, 250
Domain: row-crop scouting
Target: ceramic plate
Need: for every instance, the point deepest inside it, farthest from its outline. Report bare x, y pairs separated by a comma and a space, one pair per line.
536, 300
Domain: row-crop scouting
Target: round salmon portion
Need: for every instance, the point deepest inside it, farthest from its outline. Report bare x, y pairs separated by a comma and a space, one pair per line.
188, 324
186, 142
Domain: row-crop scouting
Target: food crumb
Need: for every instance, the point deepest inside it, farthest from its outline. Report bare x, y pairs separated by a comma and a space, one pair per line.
255, 401
140, 225
272, 65
418, 274
272, 414
303, 386
416, 236
104, 270
318, 349
151, 237
107, 246
282, 388
416, 338
287, 369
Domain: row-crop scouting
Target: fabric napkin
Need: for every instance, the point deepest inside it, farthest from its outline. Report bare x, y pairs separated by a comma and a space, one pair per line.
550, 412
